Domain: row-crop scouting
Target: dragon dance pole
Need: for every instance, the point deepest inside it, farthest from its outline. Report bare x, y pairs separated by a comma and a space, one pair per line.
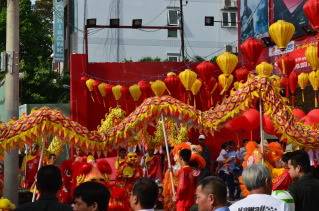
39, 166
261, 129
168, 157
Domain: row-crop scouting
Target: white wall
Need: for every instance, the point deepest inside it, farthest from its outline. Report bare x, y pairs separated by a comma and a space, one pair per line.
205, 41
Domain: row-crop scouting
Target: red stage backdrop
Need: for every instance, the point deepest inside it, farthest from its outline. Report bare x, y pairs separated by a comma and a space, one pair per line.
89, 113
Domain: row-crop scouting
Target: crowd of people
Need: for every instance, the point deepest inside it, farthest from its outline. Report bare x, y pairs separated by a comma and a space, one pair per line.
219, 188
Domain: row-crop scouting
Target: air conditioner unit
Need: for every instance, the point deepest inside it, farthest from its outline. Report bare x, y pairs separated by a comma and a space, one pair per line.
233, 3
230, 4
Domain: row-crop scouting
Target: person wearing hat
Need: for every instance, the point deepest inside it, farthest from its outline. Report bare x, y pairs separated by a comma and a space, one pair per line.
206, 155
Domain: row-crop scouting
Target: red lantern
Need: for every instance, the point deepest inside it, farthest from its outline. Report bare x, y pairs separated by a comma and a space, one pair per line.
252, 49
311, 10
252, 116
268, 125
241, 74
84, 79
145, 88
293, 81
236, 124
286, 64
173, 84
314, 116
298, 113
206, 70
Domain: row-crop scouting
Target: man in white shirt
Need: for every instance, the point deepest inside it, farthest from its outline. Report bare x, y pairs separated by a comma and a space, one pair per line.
144, 195
257, 179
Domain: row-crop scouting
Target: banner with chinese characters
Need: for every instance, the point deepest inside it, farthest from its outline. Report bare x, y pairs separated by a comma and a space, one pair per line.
58, 30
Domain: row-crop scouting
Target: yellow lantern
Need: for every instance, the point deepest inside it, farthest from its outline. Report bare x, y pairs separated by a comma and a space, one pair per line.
101, 87
196, 86
225, 81
227, 62
303, 80
158, 87
264, 69
314, 81
89, 84
116, 90
281, 33
135, 92
187, 77
312, 57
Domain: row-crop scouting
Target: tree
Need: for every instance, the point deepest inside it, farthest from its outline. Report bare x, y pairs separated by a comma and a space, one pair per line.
39, 84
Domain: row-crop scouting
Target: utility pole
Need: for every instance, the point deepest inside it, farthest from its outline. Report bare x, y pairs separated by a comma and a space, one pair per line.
182, 29
12, 96
118, 3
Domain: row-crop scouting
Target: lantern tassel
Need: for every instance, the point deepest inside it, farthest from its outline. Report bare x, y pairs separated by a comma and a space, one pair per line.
283, 66
92, 98
303, 96
194, 102
316, 100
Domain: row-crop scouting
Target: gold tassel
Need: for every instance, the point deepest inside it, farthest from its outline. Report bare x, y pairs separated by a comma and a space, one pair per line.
303, 95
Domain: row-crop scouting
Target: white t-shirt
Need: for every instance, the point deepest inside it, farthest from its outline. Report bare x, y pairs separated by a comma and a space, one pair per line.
286, 197
261, 202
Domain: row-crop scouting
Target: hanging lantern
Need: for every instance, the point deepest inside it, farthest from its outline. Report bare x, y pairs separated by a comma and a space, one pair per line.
135, 92
264, 69
286, 64
83, 79
158, 87
312, 57
101, 88
225, 81
314, 81
116, 90
187, 78
227, 62
90, 85
173, 84
293, 81
206, 70
145, 88
196, 86
311, 11
241, 74
252, 49
281, 33
303, 81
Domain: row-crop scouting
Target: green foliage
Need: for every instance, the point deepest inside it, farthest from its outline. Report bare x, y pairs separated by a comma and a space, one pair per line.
150, 59
39, 84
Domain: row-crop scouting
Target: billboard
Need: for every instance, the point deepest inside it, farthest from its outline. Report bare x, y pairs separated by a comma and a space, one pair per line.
291, 11
253, 18
58, 30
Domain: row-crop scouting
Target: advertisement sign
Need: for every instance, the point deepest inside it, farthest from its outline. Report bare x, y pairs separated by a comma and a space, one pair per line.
291, 11
58, 30
296, 50
253, 18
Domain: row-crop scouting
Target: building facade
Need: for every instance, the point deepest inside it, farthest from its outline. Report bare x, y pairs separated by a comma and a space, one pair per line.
117, 45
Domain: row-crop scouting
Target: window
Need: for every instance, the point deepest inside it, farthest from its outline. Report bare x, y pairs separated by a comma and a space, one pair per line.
172, 33
229, 19
173, 17
173, 57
